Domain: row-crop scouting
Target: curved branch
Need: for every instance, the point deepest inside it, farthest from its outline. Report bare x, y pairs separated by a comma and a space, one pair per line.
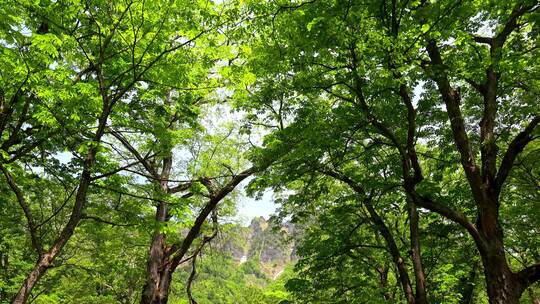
179, 250
36, 242
529, 275
448, 213
514, 149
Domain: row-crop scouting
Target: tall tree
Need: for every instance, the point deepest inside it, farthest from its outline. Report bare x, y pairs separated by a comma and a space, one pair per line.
197, 179
209, 181
418, 77
96, 54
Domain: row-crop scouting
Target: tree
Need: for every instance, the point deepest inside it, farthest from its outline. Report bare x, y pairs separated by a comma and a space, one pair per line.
471, 63
178, 185
98, 53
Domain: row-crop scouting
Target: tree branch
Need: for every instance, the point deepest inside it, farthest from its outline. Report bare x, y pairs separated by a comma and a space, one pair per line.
450, 214
529, 275
149, 168
482, 39
107, 174
179, 250
36, 242
383, 229
452, 99
100, 220
514, 149
511, 24
179, 188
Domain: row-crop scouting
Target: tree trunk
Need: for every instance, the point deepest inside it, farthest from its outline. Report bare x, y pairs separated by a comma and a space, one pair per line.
33, 277
502, 284
163, 259
156, 289
45, 260
158, 271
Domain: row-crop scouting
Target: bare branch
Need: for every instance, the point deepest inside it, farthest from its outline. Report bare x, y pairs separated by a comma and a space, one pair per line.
144, 161
179, 250
122, 168
100, 220
206, 239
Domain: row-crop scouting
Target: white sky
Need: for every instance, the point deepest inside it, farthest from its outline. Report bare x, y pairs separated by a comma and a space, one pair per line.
249, 208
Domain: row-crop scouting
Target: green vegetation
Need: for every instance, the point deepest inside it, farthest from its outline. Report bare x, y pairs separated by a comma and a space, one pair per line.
221, 280
400, 140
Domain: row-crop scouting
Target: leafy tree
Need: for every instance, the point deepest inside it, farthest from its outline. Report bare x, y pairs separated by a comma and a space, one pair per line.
347, 80
90, 58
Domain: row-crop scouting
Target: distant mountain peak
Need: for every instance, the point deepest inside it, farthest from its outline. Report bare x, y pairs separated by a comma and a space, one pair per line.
259, 223
260, 242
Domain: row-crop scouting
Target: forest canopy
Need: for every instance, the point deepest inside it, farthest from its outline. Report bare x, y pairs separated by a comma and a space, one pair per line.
400, 140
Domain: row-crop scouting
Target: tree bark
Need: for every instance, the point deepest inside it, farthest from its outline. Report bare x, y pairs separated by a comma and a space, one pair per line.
158, 272
158, 269
502, 284
156, 289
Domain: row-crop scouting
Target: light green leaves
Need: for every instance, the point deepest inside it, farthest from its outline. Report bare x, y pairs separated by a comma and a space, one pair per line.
47, 43
313, 22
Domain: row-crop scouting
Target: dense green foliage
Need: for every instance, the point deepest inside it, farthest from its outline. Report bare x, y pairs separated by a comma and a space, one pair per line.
403, 121
221, 280
400, 138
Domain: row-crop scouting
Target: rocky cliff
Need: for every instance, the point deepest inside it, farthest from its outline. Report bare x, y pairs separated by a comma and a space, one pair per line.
270, 245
